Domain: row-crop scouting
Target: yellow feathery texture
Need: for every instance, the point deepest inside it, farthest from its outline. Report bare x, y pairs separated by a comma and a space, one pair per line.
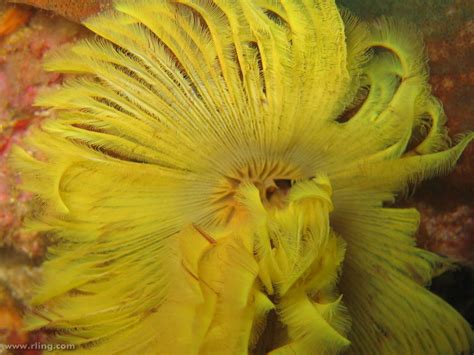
214, 183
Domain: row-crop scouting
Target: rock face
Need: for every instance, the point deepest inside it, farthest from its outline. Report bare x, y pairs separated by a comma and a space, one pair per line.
21, 77
446, 204
72, 10
26, 36
452, 77
449, 31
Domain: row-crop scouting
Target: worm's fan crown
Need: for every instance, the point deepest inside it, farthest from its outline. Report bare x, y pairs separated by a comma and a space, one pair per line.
214, 182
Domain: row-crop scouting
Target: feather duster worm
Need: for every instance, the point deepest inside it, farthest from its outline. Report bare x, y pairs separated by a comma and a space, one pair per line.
222, 168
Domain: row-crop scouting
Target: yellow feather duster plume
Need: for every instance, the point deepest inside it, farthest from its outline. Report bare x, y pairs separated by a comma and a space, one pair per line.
206, 192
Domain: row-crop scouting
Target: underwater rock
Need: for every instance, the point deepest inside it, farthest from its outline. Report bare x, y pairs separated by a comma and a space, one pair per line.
21, 77
71, 9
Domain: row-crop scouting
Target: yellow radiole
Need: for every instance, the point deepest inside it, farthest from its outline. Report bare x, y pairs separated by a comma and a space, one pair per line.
206, 191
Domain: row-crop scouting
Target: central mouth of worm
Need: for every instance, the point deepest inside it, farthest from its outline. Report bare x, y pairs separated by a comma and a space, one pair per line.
273, 181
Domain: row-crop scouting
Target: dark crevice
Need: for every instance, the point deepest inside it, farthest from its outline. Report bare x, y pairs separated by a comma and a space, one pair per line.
457, 288
378, 50
274, 334
112, 104
87, 127
269, 192
276, 193
107, 151
274, 17
355, 106
235, 59
420, 132
283, 184
258, 56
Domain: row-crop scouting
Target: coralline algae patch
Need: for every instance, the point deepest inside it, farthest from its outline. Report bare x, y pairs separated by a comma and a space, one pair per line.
13, 18
72, 10
19, 276
21, 78
448, 230
452, 78
446, 203
26, 36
